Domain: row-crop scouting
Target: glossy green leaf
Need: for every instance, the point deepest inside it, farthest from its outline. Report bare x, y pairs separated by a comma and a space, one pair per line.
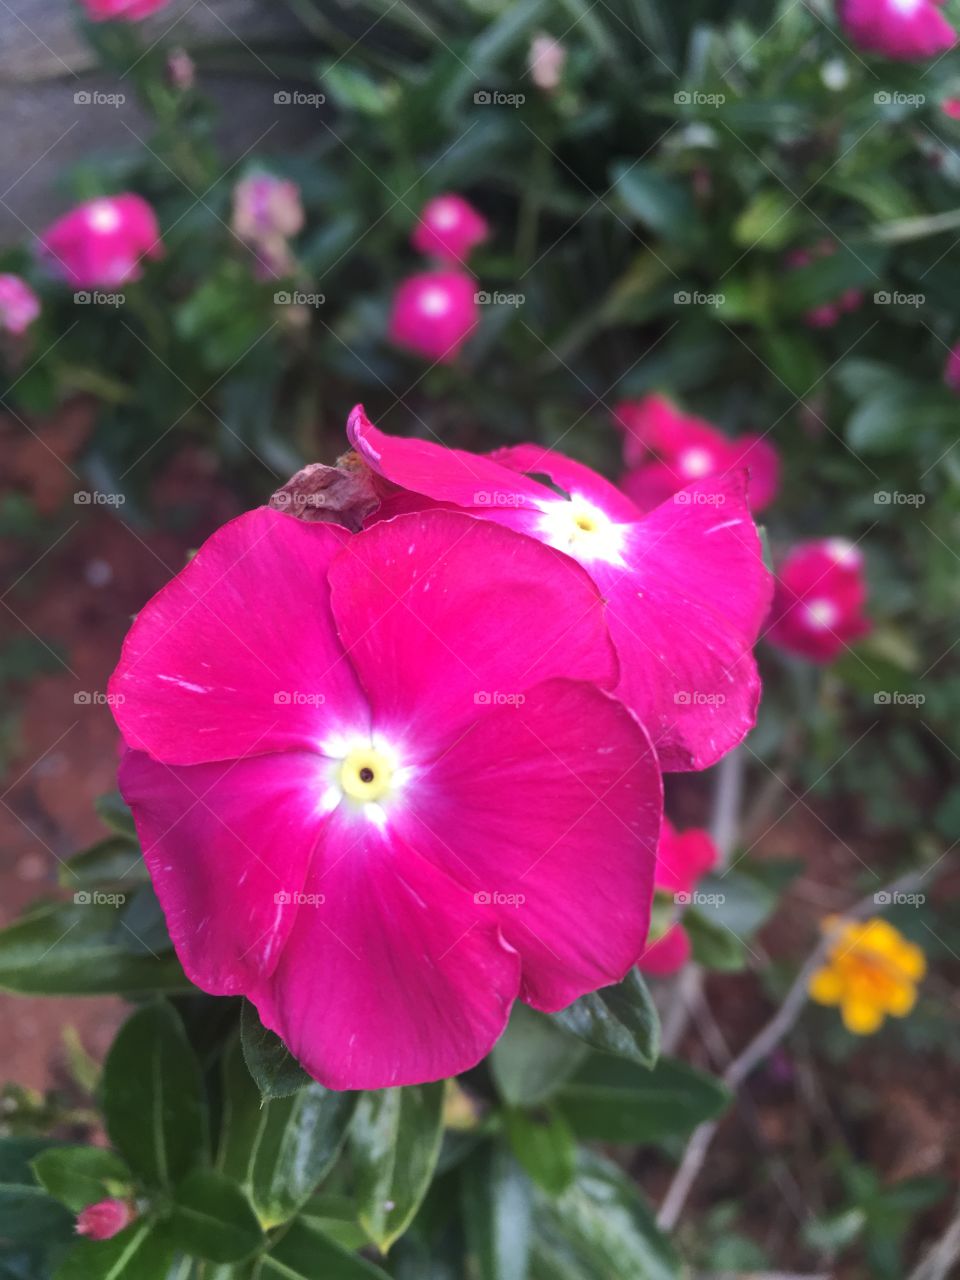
78, 1176
615, 1101
143, 1251
533, 1057
335, 1216
714, 944
394, 1142
116, 860
153, 1097
544, 1144
497, 1214
279, 1151
274, 1068
660, 202
621, 1020
81, 948
212, 1218
304, 1253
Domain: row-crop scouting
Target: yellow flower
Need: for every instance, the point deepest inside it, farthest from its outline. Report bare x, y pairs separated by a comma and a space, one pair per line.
871, 971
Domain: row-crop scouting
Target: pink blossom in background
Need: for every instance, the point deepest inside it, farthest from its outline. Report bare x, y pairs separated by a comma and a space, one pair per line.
102, 244
901, 29
181, 70
19, 305
434, 313
449, 228
951, 107
665, 449
105, 1219
267, 213
365, 772
951, 370
685, 586
121, 10
545, 61
819, 600
683, 858
827, 314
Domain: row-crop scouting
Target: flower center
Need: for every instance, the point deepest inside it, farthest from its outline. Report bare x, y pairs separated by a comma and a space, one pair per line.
366, 774
822, 614
582, 530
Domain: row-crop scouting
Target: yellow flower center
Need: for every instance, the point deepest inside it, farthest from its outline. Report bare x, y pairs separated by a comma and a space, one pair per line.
365, 774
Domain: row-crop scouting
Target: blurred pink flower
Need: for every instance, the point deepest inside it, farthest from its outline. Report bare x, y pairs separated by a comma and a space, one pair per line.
434, 313
683, 858
819, 599
951, 370
449, 228
267, 212
102, 244
665, 450
545, 61
901, 29
181, 69
105, 1219
19, 305
827, 314
121, 10
951, 107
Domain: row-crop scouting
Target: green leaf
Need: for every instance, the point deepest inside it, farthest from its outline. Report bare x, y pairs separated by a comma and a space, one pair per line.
621, 1020
274, 1068
395, 1141
743, 903
769, 221
662, 203
153, 1098
80, 948
280, 1150
115, 812
336, 1217
543, 1143
533, 1057
143, 1251
212, 1218
497, 1209
78, 1176
27, 1212
884, 422
304, 1253
114, 860
600, 1228
615, 1101
714, 945
827, 277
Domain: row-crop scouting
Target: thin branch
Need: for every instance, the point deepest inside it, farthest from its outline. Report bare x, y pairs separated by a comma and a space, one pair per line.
938, 1262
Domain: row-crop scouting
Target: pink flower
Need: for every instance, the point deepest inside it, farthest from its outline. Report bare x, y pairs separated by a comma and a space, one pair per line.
181, 70
381, 789
827, 314
434, 313
682, 859
902, 29
105, 1219
951, 370
122, 10
19, 305
665, 450
545, 62
951, 107
267, 212
449, 228
102, 244
819, 600
685, 586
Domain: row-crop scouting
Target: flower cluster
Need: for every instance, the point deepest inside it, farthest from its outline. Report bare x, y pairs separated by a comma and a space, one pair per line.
388, 782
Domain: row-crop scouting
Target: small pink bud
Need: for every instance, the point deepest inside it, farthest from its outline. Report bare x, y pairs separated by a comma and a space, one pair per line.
103, 1220
546, 61
434, 313
449, 228
181, 70
951, 107
951, 370
19, 305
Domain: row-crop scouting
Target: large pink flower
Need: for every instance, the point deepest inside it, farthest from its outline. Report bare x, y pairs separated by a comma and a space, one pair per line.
683, 857
685, 586
902, 29
818, 606
102, 244
665, 450
434, 313
122, 10
449, 228
380, 789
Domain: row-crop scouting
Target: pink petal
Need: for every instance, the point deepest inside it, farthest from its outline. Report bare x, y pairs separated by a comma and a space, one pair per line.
682, 858
221, 841
668, 954
443, 614
549, 813
685, 618
390, 977
571, 476
762, 461
238, 654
